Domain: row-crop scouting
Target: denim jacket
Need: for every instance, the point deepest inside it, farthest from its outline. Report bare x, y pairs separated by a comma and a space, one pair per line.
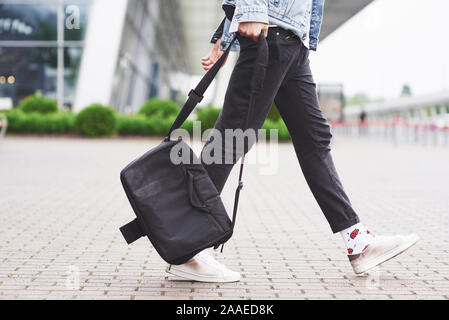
303, 17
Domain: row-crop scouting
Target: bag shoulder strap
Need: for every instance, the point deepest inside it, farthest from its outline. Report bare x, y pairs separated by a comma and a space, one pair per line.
257, 80
196, 95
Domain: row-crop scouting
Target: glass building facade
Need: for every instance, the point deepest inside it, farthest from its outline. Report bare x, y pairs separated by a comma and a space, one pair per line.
150, 52
31, 48
43, 46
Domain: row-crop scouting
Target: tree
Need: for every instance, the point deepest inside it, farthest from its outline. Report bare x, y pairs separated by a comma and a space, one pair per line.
406, 91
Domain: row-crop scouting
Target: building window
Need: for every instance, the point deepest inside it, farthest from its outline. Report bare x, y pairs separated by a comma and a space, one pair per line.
29, 45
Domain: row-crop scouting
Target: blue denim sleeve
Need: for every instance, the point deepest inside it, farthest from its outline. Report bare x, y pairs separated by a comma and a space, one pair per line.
218, 33
251, 10
245, 11
226, 38
315, 22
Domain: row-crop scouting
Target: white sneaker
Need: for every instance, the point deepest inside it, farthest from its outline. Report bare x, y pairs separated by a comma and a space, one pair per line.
203, 267
381, 249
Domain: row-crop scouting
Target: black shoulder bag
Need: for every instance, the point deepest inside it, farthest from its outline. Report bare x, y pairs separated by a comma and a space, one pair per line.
177, 205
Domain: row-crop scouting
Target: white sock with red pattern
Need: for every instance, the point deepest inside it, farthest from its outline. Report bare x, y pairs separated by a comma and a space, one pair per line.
356, 238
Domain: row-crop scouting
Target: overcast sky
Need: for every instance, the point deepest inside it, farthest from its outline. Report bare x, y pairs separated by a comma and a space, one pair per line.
388, 44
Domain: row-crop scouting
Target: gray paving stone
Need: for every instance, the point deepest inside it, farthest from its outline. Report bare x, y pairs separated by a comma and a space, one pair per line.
61, 204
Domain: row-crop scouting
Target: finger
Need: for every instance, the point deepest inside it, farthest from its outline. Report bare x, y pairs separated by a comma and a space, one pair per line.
208, 59
243, 30
255, 36
265, 32
206, 63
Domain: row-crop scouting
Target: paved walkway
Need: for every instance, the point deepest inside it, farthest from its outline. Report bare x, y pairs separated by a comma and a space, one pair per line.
61, 204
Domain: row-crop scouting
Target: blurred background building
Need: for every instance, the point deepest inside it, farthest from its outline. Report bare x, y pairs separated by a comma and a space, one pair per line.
123, 52
32, 49
119, 52
83, 51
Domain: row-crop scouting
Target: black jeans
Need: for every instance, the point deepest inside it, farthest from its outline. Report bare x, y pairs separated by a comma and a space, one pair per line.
290, 85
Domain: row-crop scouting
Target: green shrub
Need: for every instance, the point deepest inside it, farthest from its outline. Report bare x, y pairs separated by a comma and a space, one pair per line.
61, 122
188, 125
96, 120
142, 126
20, 122
38, 103
132, 125
159, 108
160, 126
208, 116
283, 133
274, 114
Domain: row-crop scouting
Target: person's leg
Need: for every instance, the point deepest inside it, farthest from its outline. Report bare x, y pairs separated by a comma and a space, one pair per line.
236, 103
297, 102
203, 267
298, 105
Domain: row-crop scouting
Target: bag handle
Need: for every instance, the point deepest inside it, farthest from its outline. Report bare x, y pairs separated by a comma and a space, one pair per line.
257, 80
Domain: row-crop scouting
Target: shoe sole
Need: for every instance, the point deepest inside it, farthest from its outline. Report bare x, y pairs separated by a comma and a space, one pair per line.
196, 277
386, 256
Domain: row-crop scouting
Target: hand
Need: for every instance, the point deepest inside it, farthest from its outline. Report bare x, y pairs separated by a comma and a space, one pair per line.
253, 29
213, 56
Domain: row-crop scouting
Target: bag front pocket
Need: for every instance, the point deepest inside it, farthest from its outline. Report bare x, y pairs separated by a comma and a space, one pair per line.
202, 191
